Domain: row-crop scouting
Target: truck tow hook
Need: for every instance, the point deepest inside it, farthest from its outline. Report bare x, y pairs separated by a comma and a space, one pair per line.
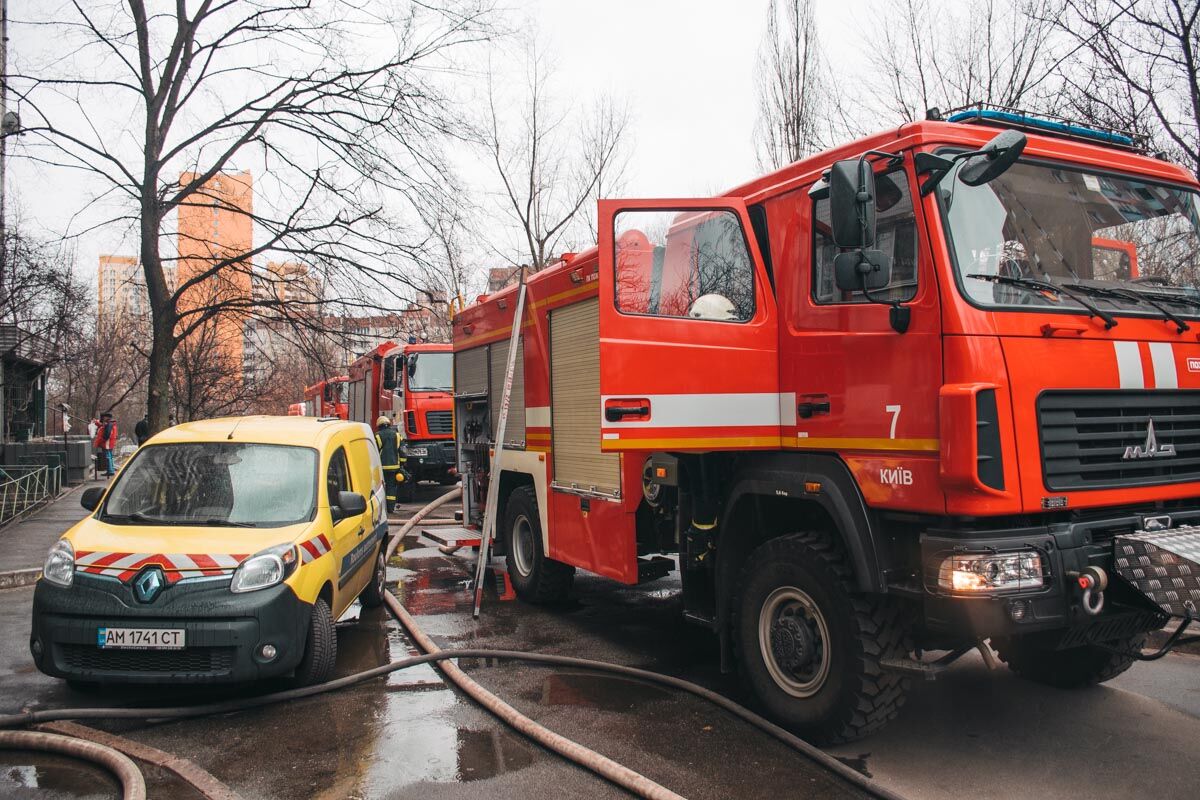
1092, 581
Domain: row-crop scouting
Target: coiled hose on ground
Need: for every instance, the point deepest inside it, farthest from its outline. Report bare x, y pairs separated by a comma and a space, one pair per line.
636, 783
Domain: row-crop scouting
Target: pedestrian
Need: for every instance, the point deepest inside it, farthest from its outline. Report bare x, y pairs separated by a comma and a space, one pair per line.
389, 453
106, 441
141, 431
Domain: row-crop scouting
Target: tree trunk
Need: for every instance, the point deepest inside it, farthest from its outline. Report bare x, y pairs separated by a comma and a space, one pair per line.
163, 313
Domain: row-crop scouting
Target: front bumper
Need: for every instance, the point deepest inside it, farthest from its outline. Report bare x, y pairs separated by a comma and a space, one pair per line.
438, 462
224, 631
1055, 612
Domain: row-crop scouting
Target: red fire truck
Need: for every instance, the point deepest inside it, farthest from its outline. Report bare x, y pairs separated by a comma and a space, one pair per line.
410, 384
884, 402
326, 398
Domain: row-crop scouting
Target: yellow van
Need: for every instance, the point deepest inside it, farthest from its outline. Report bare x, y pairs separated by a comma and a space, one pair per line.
223, 551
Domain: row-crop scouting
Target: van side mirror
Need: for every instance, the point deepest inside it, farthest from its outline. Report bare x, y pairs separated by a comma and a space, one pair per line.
91, 497
993, 159
852, 203
349, 504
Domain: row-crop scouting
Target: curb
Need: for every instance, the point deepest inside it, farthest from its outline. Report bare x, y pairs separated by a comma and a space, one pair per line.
14, 579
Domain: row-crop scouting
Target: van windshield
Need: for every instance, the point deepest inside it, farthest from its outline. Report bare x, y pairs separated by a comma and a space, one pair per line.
1122, 245
230, 484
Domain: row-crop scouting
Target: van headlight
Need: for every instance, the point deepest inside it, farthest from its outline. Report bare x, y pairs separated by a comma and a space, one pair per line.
59, 568
265, 569
984, 573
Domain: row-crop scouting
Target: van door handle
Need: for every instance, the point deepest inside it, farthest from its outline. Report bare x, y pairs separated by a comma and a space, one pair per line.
361, 531
812, 405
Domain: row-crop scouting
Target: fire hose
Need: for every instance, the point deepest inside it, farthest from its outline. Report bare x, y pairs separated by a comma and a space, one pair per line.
133, 783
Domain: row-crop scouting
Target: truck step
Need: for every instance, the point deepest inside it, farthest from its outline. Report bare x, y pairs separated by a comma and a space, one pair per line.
650, 569
451, 536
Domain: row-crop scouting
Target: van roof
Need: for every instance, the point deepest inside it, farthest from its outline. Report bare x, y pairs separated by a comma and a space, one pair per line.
306, 431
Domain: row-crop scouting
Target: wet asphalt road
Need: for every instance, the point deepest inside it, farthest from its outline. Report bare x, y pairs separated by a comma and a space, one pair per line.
972, 733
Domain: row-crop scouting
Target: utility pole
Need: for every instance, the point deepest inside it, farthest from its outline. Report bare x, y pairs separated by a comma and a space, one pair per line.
3, 158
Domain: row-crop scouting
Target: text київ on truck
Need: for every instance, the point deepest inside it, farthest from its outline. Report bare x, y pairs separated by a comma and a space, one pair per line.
905, 395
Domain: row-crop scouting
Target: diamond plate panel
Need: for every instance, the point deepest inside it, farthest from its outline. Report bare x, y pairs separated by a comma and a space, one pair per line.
1163, 565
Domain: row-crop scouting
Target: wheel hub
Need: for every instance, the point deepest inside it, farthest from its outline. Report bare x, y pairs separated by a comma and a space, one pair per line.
792, 643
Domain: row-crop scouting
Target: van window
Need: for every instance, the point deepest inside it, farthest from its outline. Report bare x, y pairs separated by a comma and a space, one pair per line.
337, 477
683, 263
895, 235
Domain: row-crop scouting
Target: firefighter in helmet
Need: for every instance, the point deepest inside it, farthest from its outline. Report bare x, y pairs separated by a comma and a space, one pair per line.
388, 442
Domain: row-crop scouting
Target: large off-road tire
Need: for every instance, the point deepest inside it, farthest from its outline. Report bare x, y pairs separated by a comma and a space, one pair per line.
1075, 668
535, 577
320, 651
372, 593
809, 645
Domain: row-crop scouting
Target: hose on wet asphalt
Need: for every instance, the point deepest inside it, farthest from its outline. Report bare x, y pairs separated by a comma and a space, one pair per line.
395, 539
133, 785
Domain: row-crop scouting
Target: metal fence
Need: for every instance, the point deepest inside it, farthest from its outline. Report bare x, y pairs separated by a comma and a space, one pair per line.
24, 487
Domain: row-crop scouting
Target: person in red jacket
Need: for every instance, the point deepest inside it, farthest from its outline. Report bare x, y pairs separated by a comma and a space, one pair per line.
106, 441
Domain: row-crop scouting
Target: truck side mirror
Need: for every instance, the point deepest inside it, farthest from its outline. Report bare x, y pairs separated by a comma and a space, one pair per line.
852, 203
862, 269
412, 365
993, 159
389, 372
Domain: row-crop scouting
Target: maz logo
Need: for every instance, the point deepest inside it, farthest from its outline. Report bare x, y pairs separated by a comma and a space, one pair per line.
1149, 448
896, 476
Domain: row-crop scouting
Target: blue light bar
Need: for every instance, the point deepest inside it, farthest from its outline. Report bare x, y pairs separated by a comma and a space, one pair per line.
1050, 126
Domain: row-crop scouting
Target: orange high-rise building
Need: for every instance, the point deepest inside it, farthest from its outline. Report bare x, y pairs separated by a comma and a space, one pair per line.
215, 224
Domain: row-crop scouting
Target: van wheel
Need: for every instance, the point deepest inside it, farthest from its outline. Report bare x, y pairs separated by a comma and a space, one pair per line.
809, 646
320, 652
535, 577
372, 594
1074, 668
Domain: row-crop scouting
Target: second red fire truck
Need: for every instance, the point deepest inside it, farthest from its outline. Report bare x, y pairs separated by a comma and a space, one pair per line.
326, 398
931, 388
409, 384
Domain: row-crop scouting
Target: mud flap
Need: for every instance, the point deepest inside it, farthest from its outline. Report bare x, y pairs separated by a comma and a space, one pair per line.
1162, 565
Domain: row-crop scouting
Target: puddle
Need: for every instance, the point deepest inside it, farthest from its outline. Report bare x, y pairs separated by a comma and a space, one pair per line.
42, 776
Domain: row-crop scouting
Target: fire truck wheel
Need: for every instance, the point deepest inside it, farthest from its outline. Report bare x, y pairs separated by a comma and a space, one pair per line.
320, 652
1075, 668
372, 593
535, 577
809, 646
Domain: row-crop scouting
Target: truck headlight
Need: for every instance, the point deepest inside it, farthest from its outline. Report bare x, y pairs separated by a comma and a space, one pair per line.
980, 573
265, 569
59, 568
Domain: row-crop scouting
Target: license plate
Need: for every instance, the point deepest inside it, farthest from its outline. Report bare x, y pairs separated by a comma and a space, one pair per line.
418, 451
140, 638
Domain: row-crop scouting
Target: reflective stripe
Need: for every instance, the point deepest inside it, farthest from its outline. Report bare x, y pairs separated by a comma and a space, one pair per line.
1162, 358
740, 409
1129, 365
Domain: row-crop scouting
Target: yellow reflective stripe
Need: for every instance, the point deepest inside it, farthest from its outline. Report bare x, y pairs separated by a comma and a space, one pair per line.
800, 442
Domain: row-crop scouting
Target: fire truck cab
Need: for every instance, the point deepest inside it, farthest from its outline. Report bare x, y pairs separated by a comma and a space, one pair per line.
893, 398
409, 384
326, 398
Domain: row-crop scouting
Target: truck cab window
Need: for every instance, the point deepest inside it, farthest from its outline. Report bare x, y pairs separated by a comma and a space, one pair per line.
692, 263
896, 236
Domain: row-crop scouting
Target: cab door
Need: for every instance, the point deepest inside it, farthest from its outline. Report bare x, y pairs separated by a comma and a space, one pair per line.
688, 329
348, 532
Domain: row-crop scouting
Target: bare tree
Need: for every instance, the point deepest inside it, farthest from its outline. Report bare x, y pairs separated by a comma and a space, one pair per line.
1136, 67
339, 98
795, 87
554, 161
934, 54
43, 300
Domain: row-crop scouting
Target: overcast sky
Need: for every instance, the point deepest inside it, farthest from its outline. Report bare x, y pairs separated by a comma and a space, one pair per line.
685, 67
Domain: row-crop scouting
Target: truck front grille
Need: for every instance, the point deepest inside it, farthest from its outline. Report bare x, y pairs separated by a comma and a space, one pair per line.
1101, 439
439, 422
195, 660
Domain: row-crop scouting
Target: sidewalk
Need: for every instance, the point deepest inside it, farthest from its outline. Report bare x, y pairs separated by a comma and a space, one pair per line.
23, 545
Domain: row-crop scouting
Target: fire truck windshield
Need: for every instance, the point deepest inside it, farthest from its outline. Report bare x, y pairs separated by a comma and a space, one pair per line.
1112, 243
432, 373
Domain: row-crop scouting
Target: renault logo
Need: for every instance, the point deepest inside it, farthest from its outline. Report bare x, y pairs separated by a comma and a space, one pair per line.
148, 585
1150, 448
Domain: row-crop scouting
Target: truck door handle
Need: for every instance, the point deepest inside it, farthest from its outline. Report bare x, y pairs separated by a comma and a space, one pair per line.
812, 405
627, 408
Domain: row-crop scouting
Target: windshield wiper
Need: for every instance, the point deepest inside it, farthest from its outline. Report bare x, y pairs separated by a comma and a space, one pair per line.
216, 522
1033, 283
1132, 294
136, 517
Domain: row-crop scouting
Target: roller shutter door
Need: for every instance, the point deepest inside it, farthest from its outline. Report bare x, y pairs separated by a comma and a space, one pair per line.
575, 398
470, 371
498, 356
